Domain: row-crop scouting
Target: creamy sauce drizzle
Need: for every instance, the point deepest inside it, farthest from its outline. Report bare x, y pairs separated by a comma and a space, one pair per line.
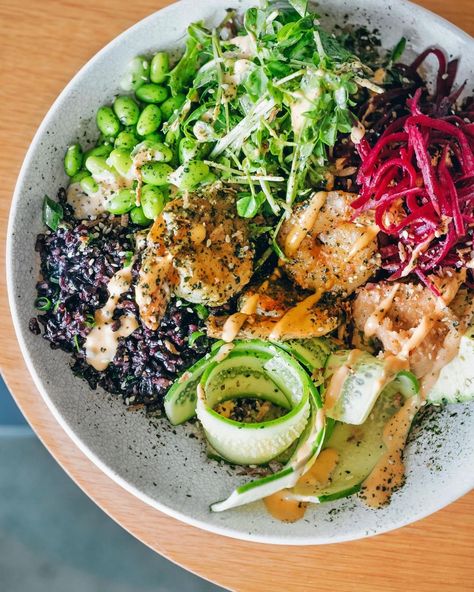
363, 241
375, 319
236, 321
289, 510
102, 342
297, 319
389, 473
334, 389
86, 206
246, 45
304, 222
302, 104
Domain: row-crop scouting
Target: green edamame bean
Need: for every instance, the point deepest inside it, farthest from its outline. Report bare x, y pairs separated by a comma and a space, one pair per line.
171, 104
120, 160
77, 178
98, 165
103, 150
122, 202
138, 217
107, 121
126, 141
89, 185
155, 137
191, 174
126, 110
137, 74
73, 160
153, 201
149, 120
152, 93
156, 173
161, 152
159, 68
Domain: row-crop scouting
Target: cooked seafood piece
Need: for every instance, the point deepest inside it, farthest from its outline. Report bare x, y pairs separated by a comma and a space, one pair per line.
275, 310
410, 321
325, 248
198, 249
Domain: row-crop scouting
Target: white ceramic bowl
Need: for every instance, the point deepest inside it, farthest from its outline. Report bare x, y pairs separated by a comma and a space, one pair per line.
162, 465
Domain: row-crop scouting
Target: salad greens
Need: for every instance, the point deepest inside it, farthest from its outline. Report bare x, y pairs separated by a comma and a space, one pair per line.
269, 101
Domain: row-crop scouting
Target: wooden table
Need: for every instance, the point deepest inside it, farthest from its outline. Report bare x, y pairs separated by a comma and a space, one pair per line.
44, 42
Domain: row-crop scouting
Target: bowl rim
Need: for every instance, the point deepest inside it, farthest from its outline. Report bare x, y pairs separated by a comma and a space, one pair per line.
14, 310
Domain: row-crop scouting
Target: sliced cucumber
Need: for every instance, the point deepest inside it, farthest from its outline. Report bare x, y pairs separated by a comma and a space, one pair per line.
303, 457
261, 370
180, 400
358, 387
312, 353
455, 383
359, 448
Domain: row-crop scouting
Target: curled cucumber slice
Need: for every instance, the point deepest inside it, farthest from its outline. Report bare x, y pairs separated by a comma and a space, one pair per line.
258, 370
303, 457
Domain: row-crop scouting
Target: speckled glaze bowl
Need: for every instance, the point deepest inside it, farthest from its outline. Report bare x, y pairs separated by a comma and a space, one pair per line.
162, 465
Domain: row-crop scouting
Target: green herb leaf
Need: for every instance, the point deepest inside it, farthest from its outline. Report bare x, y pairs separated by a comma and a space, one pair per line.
128, 258
201, 311
195, 335
249, 205
44, 304
182, 75
52, 213
398, 50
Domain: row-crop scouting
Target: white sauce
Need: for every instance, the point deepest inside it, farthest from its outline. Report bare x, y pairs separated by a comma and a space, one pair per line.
86, 206
301, 104
246, 45
102, 342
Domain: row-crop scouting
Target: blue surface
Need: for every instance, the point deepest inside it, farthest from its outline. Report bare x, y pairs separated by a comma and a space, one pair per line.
54, 539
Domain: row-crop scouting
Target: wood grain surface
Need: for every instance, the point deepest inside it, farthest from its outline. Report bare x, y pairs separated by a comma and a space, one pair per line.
43, 44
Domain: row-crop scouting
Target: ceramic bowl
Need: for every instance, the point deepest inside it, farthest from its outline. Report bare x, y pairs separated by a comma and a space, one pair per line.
161, 465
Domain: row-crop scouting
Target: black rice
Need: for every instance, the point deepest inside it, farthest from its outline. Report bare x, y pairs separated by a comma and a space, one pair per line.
77, 262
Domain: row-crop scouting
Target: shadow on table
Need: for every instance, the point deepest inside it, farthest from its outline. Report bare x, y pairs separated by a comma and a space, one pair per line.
54, 539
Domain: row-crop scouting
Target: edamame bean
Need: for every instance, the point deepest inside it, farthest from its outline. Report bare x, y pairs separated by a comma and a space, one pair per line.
121, 161
190, 174
107, 121
77, 178
126, 110
149, 120
152, 93
97, 165
103, 150
89, 185
152, 200
126, 141
73, 160
122, 202
138, 217
155, 137
156, 173
171, 104
159, 68
137, 74
161, 152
